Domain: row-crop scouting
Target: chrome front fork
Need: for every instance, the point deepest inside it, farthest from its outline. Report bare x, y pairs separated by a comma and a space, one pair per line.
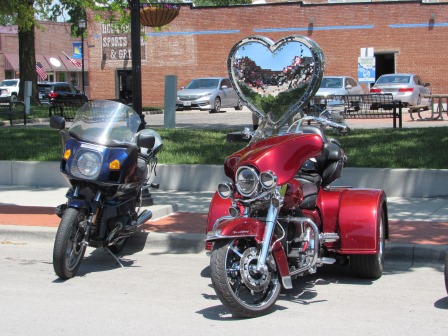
271, 219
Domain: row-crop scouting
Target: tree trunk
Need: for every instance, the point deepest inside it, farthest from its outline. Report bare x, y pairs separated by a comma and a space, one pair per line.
27, 55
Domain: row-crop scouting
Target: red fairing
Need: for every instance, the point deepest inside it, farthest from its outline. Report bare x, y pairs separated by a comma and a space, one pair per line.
219, 207
356, 215
281, 154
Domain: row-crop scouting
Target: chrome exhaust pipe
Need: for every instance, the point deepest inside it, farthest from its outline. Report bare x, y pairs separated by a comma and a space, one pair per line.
144, 216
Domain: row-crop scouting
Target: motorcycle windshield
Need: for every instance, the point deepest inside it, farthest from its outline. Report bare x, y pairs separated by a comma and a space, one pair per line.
106, 122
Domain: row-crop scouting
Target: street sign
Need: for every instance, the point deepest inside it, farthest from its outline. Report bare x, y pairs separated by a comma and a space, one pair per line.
366, 69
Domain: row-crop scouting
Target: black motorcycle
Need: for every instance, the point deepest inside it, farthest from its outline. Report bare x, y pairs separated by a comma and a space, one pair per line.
108, 164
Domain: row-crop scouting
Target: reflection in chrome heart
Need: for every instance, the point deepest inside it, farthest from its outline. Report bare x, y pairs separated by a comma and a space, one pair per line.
276, 79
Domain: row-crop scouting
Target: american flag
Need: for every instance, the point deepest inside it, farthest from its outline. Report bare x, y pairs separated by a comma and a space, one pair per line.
41, 71
75, 62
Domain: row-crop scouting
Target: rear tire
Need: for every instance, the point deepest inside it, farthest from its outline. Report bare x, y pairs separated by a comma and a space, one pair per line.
232, 266
370, 266
68, 249
239, 105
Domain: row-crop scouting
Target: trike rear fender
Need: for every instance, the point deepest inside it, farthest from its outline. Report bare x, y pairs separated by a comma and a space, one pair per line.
358, 218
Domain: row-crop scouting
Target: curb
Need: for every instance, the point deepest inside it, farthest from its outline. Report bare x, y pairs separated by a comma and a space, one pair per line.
194, 243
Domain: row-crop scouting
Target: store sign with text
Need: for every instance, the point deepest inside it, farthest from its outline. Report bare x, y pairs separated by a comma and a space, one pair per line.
116, 42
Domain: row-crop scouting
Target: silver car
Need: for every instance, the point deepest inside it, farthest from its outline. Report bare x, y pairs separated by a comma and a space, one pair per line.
408, 88
212, 93
339, 85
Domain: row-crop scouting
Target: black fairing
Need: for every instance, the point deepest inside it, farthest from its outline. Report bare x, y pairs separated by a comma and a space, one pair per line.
328, 165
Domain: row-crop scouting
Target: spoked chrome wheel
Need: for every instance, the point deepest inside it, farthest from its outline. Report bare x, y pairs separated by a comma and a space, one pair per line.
245, 291
68, 248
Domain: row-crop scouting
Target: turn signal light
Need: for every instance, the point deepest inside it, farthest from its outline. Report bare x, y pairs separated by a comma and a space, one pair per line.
114, 165
67, 154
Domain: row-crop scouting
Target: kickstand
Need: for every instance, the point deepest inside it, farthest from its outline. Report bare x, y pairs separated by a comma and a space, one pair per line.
114, 256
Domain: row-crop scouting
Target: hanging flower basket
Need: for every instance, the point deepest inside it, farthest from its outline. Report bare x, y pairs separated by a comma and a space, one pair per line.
158, 14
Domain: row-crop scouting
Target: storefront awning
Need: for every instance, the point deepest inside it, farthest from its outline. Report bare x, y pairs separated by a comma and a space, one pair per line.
12, 62
50, 63
72, 67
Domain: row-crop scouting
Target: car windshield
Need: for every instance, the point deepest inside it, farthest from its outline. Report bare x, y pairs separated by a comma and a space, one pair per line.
203, 83
8, 83
394, 79
106, 122
331, 83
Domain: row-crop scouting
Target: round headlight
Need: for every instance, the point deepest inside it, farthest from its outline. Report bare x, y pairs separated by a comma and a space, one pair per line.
225, 189
268, 180
89, 164
246, 180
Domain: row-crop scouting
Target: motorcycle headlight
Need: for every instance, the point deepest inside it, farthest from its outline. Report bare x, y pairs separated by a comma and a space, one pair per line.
268, 180
246, 181
225, 189
87, 165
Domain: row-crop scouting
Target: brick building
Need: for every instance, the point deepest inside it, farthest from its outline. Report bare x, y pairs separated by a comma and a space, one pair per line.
406, 37
52, 40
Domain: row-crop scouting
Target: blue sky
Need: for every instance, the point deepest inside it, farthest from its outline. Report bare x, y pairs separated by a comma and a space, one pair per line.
278, 60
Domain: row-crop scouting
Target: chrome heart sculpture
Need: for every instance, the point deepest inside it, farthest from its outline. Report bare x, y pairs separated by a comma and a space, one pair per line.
276, 79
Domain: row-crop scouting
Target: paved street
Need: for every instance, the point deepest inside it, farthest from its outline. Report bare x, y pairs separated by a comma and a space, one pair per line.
231, 119
162, 293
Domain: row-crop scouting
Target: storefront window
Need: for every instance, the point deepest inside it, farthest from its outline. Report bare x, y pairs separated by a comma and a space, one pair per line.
73, 79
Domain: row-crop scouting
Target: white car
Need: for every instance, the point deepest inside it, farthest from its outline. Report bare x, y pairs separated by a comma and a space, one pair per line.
339, 85
408, 88
9, 90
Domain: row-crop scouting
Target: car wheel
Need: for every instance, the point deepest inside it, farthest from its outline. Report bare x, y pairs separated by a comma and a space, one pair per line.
216, 105
419, 100
430, 104
13, 98
239, 106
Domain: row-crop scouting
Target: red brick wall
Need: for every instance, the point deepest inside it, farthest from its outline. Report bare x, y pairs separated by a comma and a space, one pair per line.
419, 50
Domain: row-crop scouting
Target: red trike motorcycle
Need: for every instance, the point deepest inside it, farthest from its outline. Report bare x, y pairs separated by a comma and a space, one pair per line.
280, 217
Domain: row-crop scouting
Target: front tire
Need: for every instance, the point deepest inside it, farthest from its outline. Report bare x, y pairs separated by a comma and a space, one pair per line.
242, 290
370, 266
216, 105
68, 249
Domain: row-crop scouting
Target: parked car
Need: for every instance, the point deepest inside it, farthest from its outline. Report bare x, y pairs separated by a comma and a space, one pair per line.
212, 93
408, 88
339, 85
9, 90
59, 91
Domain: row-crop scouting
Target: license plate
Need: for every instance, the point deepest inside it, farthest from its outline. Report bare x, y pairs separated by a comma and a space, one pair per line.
187, 103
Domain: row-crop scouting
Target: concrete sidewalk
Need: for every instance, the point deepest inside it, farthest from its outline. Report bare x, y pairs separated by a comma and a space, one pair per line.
418, 226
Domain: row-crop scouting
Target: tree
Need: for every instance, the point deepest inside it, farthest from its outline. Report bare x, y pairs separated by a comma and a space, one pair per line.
27, 13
